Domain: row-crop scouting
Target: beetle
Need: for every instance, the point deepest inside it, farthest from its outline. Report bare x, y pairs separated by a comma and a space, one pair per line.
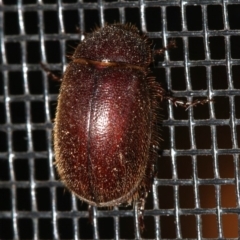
106, 132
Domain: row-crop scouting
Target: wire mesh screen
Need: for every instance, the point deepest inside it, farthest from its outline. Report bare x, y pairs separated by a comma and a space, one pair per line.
196, 191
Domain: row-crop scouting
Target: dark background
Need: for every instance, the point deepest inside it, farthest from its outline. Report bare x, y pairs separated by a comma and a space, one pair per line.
196, 192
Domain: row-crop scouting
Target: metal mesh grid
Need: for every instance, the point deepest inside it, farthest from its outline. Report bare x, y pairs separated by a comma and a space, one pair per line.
196, 192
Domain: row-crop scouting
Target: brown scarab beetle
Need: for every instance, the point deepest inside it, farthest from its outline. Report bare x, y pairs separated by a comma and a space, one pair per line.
106, 133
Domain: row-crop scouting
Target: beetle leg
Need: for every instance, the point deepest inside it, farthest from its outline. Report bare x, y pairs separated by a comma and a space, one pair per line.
90, 213
139, 212
185, 104
138, 215
181, 103
172, 44
50, 73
